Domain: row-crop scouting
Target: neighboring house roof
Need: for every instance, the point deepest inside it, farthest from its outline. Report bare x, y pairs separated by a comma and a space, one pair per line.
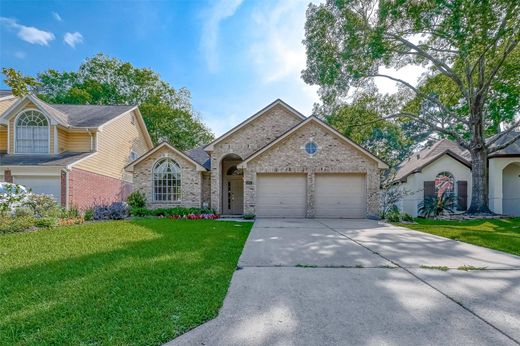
131, 165
293, 111
71, 115
511, 150
63, 159
6, 93
381, 164
416, 162
90, 115
201, 156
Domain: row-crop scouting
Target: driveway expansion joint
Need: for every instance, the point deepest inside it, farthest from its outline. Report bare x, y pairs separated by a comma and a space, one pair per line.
427, 284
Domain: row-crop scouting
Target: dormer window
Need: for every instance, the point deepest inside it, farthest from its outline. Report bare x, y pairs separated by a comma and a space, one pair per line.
32, 133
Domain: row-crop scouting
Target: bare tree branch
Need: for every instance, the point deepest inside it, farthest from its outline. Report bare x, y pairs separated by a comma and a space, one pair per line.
419, 93
429, 125
445, 69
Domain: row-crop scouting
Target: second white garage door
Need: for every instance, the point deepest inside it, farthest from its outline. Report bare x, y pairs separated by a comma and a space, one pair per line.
281, 195
340, 196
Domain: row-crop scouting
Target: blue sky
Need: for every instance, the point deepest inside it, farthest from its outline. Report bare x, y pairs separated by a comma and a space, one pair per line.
234, 56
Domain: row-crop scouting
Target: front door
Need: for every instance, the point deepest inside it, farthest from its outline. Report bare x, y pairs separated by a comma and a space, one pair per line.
233, 196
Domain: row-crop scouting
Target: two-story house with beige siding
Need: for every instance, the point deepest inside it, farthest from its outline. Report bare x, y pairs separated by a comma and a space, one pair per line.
77, 153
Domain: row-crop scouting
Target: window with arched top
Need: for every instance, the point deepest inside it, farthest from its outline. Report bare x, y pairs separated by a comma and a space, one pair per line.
32, 133
444, 183
166, 181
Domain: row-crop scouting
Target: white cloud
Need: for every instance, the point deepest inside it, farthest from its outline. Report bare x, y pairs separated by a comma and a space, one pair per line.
20, 55
277, 51
56, 16
28, 33
73, 38
219, 11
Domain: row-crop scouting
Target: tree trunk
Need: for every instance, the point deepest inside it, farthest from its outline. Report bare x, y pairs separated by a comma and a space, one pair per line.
479, 186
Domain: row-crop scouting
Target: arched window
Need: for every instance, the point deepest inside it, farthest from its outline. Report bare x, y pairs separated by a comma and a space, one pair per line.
444, 183
166, 181
32, 133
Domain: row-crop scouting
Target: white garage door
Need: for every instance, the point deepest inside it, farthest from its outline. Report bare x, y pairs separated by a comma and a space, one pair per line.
46, 185
340, 196
281, 195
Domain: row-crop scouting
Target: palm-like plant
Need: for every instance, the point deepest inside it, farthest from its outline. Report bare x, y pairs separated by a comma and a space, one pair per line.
437, 205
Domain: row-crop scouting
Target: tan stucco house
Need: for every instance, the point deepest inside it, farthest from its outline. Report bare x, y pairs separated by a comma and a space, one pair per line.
277, 163
446, 165
76, 153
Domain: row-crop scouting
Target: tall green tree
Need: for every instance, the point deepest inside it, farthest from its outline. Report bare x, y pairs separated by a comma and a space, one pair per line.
103, 80
361, 120
466, 46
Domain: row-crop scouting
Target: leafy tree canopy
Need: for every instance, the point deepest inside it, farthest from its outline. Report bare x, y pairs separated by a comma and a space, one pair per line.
469, 48
103, 80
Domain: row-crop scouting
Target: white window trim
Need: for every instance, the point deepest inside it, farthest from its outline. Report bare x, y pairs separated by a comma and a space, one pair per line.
48, 138
179, 200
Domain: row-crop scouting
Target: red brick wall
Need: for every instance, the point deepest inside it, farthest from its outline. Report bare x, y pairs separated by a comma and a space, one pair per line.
8, 178
87, 189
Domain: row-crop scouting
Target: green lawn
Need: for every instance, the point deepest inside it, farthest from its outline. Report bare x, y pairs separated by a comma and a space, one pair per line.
120, 283
503, 235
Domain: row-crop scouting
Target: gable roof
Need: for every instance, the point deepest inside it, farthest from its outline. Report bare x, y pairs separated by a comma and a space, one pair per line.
201, 156
131, 165
416, 162
381, 164
4, 94
511, 150
70, 115
258, 114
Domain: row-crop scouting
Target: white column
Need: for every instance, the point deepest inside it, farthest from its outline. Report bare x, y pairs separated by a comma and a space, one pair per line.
495, 186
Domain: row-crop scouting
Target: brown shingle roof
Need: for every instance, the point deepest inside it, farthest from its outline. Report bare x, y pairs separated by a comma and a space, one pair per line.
424, 157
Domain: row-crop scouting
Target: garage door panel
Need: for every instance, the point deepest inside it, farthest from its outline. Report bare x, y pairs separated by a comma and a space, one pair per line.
281, 195
41, 185
340, 196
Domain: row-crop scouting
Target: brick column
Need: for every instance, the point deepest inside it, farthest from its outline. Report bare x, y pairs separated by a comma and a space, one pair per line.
63, 192
8, 176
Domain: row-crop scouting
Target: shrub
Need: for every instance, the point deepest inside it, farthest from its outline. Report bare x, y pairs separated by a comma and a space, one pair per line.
393, 215
16, 224
23, 212
136, 199
42, 205
435, 206
13, 197
140, 212
249, 216
407, 217
46, 222
114, 211
89, 214
72, 213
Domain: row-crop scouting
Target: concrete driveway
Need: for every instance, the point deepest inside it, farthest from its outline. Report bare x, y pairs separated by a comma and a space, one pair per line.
359, 282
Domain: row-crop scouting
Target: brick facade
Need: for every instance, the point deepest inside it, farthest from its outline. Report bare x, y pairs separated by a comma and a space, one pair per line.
191, 180
87, 189
334, 155
247, 141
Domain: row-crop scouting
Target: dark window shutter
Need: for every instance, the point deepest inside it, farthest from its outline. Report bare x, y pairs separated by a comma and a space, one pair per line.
429, 189
462, 195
